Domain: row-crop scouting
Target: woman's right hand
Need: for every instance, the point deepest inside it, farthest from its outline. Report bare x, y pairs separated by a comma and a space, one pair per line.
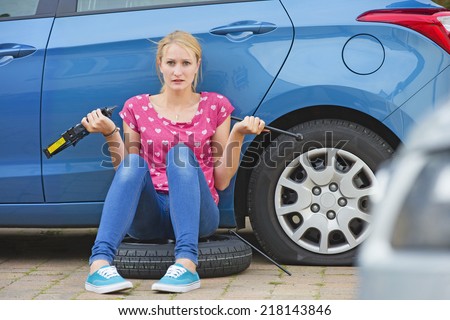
95, 121
250, 125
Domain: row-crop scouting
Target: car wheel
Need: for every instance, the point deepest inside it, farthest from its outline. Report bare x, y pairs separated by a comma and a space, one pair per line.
219, 255
309, 199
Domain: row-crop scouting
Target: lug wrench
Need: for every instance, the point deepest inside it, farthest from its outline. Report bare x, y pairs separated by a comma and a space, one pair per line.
262, 253
297, 136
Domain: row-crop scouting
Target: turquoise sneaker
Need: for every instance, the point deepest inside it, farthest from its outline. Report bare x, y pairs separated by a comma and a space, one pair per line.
106, 280
177, 279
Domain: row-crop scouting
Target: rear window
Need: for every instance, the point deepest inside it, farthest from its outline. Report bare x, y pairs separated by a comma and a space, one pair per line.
15, 8
90, 5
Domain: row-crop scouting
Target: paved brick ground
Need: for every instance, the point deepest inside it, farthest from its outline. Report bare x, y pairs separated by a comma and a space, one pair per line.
52, 264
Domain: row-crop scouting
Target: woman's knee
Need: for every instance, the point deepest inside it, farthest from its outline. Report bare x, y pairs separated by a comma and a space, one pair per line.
132, 167
208, 228
181, 156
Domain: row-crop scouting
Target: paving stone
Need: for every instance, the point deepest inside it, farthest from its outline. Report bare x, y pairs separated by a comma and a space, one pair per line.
45, 264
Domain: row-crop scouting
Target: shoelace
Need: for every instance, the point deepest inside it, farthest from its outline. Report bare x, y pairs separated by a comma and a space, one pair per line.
175, 271
108, 272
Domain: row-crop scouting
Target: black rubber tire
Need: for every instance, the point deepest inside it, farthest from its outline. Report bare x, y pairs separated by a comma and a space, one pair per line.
219, 256
365, 144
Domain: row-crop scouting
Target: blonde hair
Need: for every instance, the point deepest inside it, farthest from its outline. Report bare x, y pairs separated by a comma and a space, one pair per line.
184, 40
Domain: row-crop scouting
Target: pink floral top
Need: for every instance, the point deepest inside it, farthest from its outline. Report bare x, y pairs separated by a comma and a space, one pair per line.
159, 135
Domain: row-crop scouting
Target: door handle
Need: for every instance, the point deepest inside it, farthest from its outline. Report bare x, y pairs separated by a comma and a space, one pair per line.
249, 26
15, 50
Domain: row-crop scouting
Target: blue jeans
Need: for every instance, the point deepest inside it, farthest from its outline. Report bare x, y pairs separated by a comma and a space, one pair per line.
133, 206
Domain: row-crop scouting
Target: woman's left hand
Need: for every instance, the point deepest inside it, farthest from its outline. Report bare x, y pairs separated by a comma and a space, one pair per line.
250, 125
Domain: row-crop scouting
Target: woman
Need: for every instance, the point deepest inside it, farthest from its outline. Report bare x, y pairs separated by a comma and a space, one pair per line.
177, 150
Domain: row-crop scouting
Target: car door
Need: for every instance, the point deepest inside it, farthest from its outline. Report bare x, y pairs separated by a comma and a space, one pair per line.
102, 52
24, 31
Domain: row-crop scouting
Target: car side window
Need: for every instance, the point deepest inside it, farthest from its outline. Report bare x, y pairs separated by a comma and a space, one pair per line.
424, 221
22, 8
94, 5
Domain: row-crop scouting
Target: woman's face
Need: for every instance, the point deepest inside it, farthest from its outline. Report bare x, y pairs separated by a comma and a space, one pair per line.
178, 67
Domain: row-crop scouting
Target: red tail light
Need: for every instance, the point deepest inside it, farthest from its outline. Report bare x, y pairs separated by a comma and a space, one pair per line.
432, 23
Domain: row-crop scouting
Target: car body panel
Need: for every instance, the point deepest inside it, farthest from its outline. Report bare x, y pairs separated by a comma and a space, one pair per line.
51, 215
432, 96
101, 58
326, 80
20, 95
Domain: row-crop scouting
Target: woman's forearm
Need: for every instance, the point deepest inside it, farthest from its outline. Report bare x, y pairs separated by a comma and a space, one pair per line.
116, 148
228, 163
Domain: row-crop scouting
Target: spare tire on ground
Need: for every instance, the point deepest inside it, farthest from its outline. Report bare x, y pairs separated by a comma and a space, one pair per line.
219, 255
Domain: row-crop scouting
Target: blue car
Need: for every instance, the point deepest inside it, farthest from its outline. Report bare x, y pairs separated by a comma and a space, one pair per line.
352, 77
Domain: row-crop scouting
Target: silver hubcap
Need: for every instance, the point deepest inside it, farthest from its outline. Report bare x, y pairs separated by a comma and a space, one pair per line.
322, 200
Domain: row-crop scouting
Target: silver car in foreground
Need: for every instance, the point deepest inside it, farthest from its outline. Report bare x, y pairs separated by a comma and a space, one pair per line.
408, 254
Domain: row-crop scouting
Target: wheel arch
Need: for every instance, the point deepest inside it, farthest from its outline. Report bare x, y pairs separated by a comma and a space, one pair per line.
286, 121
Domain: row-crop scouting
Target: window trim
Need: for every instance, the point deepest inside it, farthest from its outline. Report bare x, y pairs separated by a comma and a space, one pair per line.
45, 9
68, 8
